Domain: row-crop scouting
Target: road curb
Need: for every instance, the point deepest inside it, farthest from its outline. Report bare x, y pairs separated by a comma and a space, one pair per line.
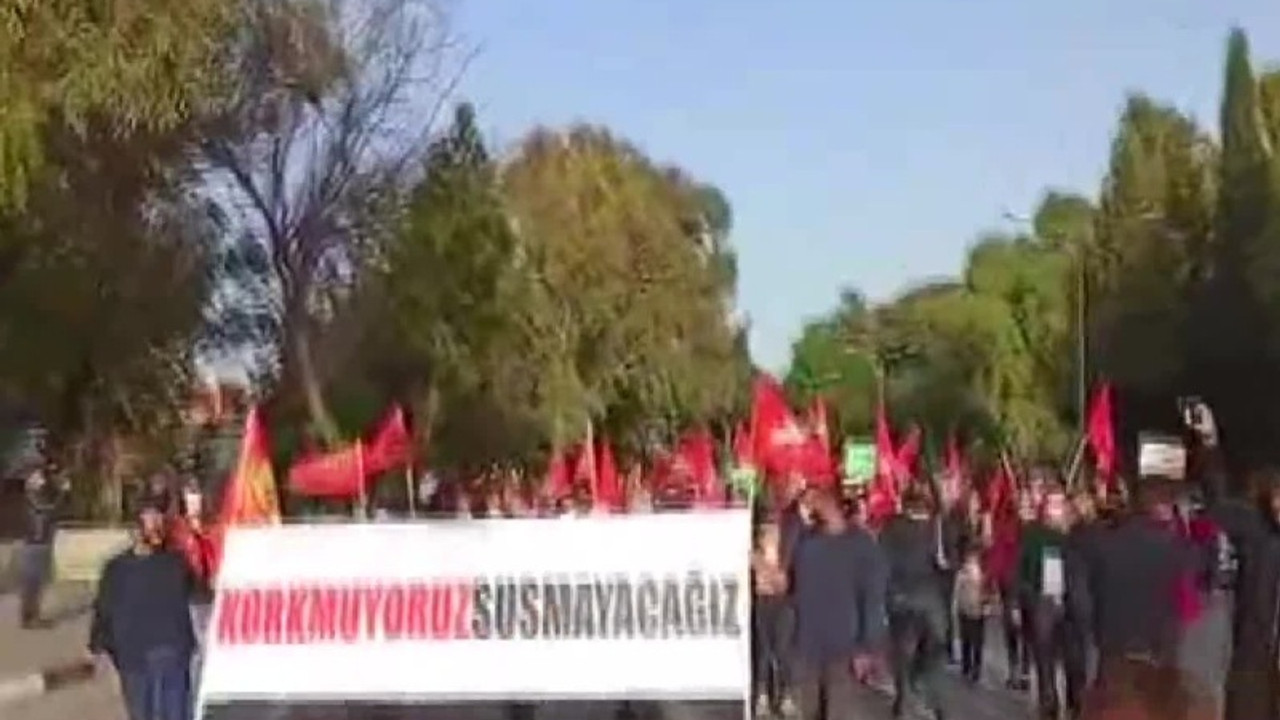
23, 687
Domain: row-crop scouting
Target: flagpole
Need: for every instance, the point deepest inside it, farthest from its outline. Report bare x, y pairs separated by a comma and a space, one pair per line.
1076, 456
361, 499
409, 490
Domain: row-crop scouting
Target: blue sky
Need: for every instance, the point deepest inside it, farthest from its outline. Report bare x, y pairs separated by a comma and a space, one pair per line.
862, 143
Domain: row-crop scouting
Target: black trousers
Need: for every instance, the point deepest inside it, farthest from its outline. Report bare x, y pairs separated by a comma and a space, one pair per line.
1017, 656
1058, 647
973, 636
825, 690
917, 628
773, 621
948, 597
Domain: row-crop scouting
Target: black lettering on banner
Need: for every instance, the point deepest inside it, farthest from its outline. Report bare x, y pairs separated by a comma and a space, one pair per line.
529, 617
603, 591
557, 608
648, 608
482, 610
697, 618
624, 608
729, 623
504, 608
584, 612
672, 609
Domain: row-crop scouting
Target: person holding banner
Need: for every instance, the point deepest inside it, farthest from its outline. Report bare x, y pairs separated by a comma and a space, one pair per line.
141, 621
772, 621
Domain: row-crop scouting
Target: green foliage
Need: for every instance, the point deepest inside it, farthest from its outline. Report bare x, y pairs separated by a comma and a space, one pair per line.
1173, 271
117, 64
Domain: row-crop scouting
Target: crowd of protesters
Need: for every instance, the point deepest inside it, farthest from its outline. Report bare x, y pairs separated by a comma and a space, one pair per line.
1080, 585
1097, 598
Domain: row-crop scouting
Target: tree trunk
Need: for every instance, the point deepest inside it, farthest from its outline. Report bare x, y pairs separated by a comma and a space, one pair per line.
312, 388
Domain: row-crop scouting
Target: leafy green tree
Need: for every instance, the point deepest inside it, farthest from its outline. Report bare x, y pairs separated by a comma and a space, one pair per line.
630, 285
108, 66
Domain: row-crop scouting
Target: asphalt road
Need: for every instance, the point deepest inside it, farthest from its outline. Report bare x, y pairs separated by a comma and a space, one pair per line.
26, 651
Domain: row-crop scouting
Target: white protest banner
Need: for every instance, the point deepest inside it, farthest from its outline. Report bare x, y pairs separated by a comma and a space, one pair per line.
1161, 456
628, 607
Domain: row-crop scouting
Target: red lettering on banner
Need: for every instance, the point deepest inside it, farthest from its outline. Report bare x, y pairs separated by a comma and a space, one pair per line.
416, 611
272, 616
250, 624
344, 613
348, 610
229, 609
393, 613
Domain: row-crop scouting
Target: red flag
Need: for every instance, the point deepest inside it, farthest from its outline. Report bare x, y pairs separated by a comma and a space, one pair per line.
743, 445
779, 442
584, 469
608, 485
818, 423
955, 473
1101, 434
1001, 494
391, 444
559, 483
250, 497
882, 499
908, 457
336, 474
698, 450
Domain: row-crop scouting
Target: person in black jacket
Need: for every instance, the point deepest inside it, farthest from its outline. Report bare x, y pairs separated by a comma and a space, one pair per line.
141, 621
838, 590
1254, 531
1044, 589
952, 532
1132, 580
916, 605
44, 501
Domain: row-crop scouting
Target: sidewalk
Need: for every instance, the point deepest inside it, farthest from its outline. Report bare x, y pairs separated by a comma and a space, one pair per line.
25, 653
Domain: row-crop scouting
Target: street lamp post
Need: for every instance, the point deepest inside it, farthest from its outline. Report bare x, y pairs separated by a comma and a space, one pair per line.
1082, 318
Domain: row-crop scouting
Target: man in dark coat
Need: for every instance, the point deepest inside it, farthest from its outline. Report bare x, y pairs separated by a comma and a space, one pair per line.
44, 500
1132, 580
1254, 530
916, 604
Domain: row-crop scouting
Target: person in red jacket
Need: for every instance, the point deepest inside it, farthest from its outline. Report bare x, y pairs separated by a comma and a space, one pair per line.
192, 536
1001, 559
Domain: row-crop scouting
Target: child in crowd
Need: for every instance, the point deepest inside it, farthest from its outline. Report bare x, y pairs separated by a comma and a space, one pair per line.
972, 606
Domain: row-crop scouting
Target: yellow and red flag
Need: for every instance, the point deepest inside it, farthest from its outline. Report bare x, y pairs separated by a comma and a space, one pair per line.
250, 497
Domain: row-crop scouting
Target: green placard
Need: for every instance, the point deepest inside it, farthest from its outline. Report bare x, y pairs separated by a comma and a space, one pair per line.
859, 464
745, 480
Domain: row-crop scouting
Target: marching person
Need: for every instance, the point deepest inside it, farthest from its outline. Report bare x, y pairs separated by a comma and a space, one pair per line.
1254, 532
1044, 587
838, 578
142, 623
971, 598
44, 501
1001, 561
772, 621
1133, 580
951, 537
191, 536
916, 606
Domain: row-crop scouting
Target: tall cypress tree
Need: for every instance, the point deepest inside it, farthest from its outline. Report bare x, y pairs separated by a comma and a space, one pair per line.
1229, 352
